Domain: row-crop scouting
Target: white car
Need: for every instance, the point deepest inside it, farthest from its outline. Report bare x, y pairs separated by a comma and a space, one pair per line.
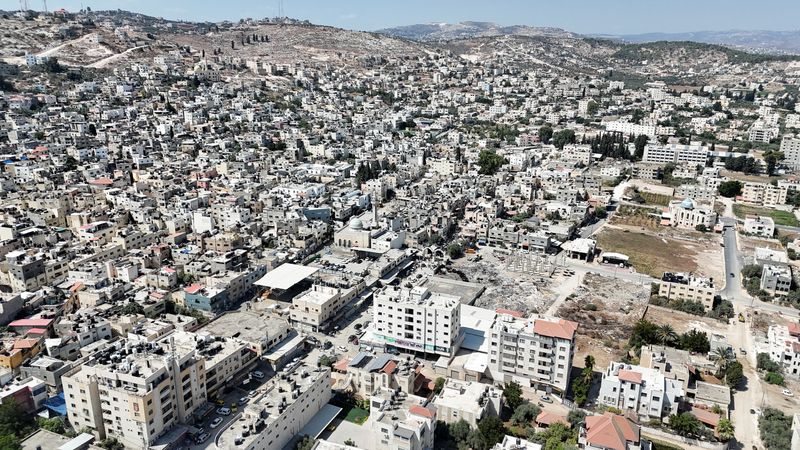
258, 374
216, 422
341, 348
224, 411
787, 393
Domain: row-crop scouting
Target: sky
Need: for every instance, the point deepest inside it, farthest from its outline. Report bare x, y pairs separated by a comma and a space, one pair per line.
580, 16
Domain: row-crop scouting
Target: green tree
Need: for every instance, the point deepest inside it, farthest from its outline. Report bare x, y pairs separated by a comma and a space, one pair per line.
592, 107
764, 362
639, 143
600, 212
54, 425
492, 430
734, 374
460, 430
10, 442
111, 444
14, 421
512, 391
730, 188
545, 134
725, 430
325, 361
525, 413
455, 250
695, 341
774, 378
666, 335
563, 137
701, 228
439, 385
490, 162
775, 429
306, 443
575, 417
132, 307
685, 424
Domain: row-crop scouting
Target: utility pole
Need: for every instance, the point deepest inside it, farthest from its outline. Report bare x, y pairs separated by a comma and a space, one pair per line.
44, 5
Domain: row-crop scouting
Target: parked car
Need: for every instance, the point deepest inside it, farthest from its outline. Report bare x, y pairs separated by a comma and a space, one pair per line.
341, 348
224, 411
742, 351
219, 401
546, 399
258, 374
327, 345
202, 438
216, 422
787, 393
243, 401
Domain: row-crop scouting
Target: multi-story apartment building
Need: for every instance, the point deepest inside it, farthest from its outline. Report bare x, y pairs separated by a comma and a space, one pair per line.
25, 272
467, 400
273, 418
764, 194
784, 347
135, 391
403, 422
683, 286
640, 390
535, 351
316, 307
759, 226
776, 279
675, 153
417, 319
790, 147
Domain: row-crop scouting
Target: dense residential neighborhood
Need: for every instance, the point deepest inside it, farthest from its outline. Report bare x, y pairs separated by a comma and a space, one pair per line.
269, 234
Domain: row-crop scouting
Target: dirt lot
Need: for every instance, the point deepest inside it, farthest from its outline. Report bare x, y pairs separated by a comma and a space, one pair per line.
665, 250
526, 292
748, 244
606, 310
637, 216
683, 322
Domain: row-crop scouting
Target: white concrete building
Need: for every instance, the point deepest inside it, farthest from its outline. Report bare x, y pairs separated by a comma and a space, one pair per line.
776, 279
467, 400
784, 348
274, 417
418, 320
534, 352
639, 390
759, 226
689, 214
675, 153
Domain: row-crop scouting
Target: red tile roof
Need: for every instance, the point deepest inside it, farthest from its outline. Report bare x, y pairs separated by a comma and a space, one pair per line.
195, 288
794, 329
547, 418
630, 376
37, 331
25, 343
389, 367
611, 431
34, 323
422, 411
508, 312
707, 417
563, 329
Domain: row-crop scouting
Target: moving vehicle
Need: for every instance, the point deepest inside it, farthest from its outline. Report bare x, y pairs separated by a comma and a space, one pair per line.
216, 422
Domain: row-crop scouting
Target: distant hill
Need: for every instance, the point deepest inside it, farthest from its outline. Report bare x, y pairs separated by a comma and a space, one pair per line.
465, 30
752, 40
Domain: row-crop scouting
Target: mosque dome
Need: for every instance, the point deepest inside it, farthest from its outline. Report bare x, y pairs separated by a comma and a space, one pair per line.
687, 204
356, 224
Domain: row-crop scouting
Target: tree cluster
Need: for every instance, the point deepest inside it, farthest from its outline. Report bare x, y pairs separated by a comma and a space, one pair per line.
775, 428
646, 333
744, 164
490, 162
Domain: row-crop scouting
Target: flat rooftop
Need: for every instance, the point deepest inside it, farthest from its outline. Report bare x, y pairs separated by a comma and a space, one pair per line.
246, 325
466, 292
285, 276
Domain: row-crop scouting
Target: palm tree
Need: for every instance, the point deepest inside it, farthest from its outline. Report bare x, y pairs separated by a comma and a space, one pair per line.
725, 430
666, 334
721, 357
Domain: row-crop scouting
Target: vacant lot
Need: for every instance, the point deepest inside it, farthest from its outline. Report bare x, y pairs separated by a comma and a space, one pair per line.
653, 254
637, 216
780, 217
655, 199
683, 322
606, 310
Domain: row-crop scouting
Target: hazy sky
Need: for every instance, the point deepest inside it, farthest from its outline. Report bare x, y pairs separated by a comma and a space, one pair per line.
581, 16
